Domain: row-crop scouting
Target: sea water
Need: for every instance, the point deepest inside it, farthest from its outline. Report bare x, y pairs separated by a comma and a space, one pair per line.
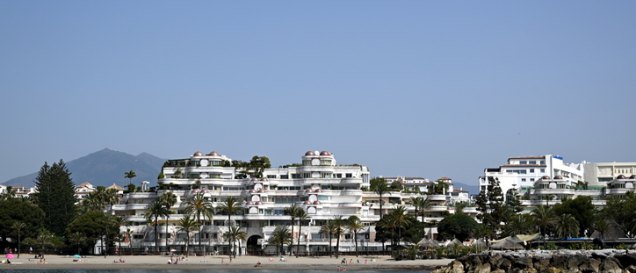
194, 270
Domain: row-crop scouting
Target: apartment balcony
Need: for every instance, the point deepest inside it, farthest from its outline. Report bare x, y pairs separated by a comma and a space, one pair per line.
436, 209
436, 197
135, 218
130, 207
565, 191
618, 191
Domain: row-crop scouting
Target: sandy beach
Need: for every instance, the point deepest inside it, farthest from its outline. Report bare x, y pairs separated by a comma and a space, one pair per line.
242, 262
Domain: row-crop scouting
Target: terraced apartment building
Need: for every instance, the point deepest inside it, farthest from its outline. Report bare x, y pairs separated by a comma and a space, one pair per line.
321, 187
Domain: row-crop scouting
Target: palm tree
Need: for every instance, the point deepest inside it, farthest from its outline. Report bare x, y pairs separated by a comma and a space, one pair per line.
168, 199
229, 207
188, 224
155, 211
280, 237
328, 229
338, 224
400, 219
380, 189
130, 175
293, 211
543, 218
17, 228
199, 206
567, 226
77, 238
421, 204
354, 225
234, 234
302, 216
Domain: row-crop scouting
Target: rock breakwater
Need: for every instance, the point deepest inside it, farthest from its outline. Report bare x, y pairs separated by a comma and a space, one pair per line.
606, 261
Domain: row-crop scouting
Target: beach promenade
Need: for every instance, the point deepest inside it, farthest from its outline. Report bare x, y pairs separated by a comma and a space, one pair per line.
199, 262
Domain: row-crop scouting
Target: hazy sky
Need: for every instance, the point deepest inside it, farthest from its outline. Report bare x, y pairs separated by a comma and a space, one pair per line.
426, 88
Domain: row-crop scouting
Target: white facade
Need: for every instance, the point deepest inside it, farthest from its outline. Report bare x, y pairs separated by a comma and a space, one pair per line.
318, 185
521, 173
604, 172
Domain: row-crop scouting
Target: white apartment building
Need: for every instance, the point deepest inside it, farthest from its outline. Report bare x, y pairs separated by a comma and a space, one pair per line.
321, 187
604, 172
521, 173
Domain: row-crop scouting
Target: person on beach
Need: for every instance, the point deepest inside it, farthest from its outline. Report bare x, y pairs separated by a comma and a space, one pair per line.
258, 264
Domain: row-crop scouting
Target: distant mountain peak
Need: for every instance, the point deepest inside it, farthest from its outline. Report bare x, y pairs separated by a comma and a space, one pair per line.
105, 167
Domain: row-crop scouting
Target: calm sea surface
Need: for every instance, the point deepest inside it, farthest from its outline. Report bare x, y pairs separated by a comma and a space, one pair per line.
197, 270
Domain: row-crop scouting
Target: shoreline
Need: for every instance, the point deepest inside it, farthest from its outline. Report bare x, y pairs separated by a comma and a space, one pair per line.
222, 262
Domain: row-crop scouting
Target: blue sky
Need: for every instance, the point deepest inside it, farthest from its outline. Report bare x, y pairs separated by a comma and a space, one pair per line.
424, 88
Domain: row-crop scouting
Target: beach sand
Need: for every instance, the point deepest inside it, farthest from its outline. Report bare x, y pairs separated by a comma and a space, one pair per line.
241, 262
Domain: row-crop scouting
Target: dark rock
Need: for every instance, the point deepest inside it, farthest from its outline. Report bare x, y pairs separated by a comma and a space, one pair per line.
573, 262
504, 264
611, 265
631, 269
482, 268
626, 259
559, 261
456, 267
522, 263
590, 266
541, 264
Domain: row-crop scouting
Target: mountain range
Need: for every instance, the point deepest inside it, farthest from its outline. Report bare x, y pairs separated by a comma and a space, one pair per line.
103, 168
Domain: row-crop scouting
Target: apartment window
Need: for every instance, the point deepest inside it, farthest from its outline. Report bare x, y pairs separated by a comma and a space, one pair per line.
306, 175
531, 179
542, 162
533, 162
523, 162
543, 170
349, 175
338, 175
523, 180
271, 176
295, 175
284, 176
531, 170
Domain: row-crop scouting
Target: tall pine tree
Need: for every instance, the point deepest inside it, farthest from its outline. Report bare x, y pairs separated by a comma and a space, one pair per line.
491, 207
55, 197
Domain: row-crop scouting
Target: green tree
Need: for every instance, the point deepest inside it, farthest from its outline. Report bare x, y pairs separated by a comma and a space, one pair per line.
420, 204
19, 210
280, 237
301, 217
354, 225
95, 225
460, 226
543, 218
168, 199
230, 207
380, 187
55, 196
154, 212
233, 235
567, 226
581, 208
188, 224
293, 211
44, 239
130, 175
328, 229
199, 206
490, 205
622, 210
338, 225
77, 238
399, 220
18, 227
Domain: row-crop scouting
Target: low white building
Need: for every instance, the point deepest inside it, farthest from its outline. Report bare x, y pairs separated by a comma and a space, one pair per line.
521, 173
